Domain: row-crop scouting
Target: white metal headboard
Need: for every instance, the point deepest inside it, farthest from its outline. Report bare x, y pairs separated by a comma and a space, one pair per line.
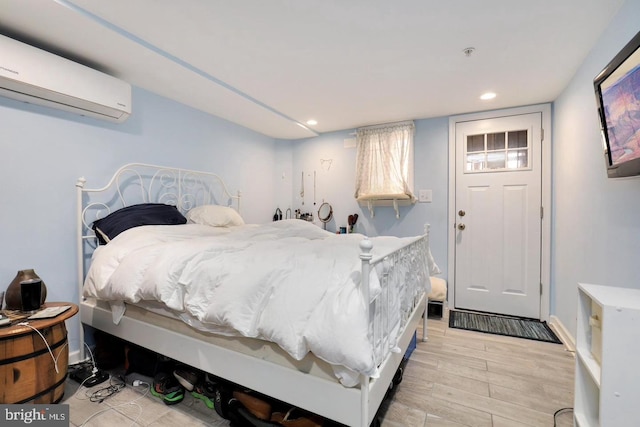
136, 183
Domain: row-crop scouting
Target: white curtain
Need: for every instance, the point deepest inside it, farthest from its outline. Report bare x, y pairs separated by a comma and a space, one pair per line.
383, 160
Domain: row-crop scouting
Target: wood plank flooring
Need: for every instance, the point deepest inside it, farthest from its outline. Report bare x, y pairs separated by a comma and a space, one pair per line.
464, 378
456, 378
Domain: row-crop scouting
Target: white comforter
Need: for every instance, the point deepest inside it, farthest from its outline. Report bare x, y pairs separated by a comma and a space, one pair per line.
288, 282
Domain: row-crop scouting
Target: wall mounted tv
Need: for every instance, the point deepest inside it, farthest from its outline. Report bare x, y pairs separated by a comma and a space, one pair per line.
617, 90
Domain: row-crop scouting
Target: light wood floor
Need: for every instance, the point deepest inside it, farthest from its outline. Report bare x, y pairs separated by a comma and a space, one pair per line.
464, 378
457, 378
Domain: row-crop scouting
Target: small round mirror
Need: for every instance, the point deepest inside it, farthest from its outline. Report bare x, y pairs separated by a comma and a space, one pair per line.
325, 213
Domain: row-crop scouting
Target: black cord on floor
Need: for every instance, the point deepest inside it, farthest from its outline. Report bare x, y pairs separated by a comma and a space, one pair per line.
105, 392
558, 412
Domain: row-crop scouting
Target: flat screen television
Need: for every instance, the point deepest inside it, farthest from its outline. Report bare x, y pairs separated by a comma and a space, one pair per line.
617, 90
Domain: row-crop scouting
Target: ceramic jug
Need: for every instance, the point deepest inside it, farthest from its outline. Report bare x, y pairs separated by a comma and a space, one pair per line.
13, 295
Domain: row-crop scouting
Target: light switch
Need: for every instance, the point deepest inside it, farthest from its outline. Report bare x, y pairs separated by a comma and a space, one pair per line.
425, 196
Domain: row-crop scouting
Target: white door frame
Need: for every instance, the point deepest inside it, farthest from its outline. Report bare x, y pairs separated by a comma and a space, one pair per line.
545, 272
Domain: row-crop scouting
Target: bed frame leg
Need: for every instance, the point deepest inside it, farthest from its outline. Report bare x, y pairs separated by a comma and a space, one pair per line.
424, 324
364, 401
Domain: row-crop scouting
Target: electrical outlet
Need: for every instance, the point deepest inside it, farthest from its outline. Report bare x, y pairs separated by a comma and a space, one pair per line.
425, 196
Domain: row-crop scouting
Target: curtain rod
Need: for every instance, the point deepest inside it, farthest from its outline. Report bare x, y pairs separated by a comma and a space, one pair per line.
382, 125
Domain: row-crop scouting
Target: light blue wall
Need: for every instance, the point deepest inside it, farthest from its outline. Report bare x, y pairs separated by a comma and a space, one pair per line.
596, 227
337, 185
283, 176
44, 151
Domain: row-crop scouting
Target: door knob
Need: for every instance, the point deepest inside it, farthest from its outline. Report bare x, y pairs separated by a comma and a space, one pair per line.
461, 226
461, 212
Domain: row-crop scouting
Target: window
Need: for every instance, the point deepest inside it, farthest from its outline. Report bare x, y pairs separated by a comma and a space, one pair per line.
497, 151
384, 162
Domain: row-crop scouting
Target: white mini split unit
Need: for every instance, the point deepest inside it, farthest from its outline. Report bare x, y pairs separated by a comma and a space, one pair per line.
38, 77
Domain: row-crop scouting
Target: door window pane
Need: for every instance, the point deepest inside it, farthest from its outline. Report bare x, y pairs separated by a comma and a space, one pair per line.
475, 143
495, 141
495, 160
475, 162
518, 159
518, 139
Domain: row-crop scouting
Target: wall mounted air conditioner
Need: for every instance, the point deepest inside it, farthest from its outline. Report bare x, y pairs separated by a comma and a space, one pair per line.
33, 75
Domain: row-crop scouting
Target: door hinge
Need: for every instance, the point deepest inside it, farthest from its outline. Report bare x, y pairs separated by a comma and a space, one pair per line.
541, 212
541, 134
540, 288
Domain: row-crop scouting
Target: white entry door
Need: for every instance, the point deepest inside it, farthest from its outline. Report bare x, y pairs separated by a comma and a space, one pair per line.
498, 215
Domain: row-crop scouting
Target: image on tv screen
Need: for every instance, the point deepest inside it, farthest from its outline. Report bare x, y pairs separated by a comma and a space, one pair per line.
621, 100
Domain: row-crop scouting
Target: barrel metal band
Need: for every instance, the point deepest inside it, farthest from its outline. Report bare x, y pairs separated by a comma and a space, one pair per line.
34, 354
26, 331
45, 391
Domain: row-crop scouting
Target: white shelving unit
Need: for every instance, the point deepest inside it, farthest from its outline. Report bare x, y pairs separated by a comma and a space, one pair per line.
607, 384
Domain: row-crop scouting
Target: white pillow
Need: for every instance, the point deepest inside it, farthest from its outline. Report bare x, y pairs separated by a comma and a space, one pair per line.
215, 216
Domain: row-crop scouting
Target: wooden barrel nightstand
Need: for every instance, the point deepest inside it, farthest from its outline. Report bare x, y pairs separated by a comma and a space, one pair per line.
27, 370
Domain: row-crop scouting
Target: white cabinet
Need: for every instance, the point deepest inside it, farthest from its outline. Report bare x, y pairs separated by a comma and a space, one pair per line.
607, 384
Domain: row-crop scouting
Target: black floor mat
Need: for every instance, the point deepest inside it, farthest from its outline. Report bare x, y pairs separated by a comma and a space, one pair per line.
502, 325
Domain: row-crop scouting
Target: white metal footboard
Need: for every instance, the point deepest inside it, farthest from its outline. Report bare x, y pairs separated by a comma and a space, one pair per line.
404, 280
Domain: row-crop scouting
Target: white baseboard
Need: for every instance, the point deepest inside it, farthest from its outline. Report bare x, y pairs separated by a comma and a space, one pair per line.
74, 357
563, 333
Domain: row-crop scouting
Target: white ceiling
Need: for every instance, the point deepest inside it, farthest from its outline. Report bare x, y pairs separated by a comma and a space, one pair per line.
272, 65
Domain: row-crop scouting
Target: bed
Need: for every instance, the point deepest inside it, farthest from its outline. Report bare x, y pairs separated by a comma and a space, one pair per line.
286, 316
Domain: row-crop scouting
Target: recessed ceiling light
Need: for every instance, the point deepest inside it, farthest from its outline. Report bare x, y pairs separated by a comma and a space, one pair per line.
312, 122
487, 96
